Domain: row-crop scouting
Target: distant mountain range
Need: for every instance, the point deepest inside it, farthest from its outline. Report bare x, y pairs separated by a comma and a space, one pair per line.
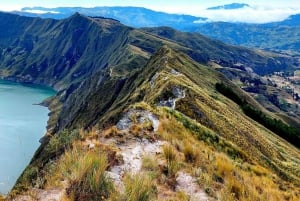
131, 16
280, 36
231, 6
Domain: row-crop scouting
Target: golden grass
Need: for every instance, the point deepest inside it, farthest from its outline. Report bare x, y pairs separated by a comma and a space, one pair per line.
191, 153
223, 117
149, 163
171, 157
182, 196
85, 173
135, 130
217, 173
111, 132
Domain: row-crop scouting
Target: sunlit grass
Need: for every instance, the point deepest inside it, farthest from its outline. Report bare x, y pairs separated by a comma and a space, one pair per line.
85, 173
218, 173
138, 187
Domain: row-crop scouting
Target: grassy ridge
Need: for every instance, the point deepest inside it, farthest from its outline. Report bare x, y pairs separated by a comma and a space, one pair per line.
287, 132
208, 137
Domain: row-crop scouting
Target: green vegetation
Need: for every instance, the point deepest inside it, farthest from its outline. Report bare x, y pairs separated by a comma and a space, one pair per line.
60, 54
272, 36
229, 93
283, 130
204, 49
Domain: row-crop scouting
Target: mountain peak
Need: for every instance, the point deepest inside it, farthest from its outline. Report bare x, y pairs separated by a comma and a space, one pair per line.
77, 16
82, 20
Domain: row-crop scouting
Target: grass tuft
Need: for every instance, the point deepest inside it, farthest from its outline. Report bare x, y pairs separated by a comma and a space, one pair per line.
85, 172
139, 188
191, 154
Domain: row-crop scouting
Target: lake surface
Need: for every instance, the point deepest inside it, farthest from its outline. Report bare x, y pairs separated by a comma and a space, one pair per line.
22, 124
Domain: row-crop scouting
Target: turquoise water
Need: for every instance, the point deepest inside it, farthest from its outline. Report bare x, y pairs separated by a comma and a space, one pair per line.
22, 124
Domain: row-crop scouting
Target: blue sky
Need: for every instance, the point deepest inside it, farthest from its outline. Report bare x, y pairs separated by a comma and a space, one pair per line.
260, 10
159, 4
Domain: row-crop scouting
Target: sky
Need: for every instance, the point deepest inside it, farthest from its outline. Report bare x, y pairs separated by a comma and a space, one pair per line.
260, 11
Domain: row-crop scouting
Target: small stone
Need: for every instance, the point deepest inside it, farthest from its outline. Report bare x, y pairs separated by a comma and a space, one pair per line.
91, 146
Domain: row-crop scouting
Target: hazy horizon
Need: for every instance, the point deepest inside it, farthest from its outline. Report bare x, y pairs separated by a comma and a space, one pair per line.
257, 12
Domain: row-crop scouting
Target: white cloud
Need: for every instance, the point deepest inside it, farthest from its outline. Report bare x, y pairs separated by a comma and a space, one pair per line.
250, 14
41, 11
258, 12
9, 7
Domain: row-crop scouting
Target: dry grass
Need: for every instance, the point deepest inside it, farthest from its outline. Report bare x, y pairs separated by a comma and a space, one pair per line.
149, 163
111, 132
138, 188
85, 173
136, 130
191, 153
171, 157
220, 175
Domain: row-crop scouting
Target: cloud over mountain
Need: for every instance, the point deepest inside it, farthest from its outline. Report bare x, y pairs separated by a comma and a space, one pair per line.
249, 14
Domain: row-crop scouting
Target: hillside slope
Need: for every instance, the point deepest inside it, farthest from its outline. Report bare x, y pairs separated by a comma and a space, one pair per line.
63, 53
260, 62
247, 68
271, 36
169, 131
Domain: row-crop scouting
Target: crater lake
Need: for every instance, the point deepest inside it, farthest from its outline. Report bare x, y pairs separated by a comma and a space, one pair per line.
22, 124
